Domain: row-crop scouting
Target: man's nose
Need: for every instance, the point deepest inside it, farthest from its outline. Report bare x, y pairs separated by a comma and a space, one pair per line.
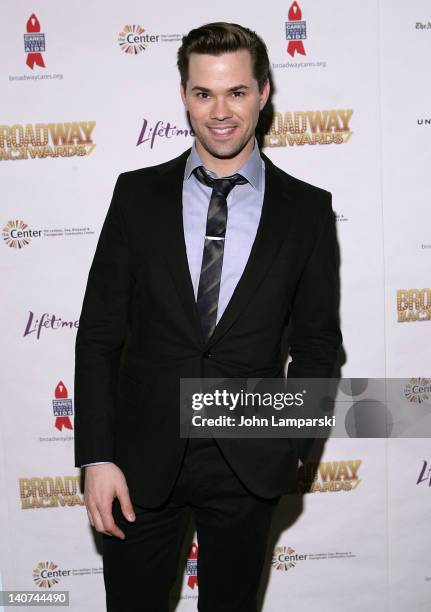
220, 109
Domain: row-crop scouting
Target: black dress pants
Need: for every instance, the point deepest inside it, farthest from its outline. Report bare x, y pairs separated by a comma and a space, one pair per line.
232, 527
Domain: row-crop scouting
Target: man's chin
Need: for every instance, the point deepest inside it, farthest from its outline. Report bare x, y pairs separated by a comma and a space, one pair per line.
225, 151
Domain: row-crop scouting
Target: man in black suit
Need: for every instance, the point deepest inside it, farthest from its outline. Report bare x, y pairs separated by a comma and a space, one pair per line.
201, 264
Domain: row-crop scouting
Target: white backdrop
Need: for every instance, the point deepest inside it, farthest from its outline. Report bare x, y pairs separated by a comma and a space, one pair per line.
363, 541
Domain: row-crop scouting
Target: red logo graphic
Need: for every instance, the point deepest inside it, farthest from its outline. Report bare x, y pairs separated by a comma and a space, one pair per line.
296, 30
62, 407
34, 43
192, 565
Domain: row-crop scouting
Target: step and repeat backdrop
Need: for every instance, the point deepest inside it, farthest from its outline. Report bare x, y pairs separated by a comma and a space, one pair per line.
92, 90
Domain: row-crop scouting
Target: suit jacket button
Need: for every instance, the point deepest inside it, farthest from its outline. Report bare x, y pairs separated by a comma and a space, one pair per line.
208, 355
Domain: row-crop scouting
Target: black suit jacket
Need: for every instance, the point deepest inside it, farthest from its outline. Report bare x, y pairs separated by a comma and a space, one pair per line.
139, 329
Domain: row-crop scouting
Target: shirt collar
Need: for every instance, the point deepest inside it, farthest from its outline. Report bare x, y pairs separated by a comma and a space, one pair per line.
251, 169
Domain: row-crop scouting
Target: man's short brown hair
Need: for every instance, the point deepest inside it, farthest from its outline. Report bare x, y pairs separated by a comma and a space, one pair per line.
220, 37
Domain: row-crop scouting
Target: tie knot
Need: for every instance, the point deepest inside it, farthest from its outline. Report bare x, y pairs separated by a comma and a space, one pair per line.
224, 185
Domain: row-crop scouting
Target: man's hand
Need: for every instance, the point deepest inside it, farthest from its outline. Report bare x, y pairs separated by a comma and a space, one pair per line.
102, 484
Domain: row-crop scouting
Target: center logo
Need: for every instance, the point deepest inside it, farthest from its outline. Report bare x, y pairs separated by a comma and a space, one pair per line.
46, 574
285, 557
418, 390
17, 234
132, 39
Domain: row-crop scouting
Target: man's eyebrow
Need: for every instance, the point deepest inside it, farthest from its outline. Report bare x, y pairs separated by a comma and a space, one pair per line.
206, 90
237, 87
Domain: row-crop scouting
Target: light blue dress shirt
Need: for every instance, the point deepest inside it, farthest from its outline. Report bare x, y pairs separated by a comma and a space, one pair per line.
244, 207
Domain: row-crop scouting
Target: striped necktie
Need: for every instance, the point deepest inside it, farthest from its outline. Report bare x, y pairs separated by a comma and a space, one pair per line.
212, 259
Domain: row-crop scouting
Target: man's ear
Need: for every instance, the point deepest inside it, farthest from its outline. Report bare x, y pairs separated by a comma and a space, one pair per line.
264, 94
183, 96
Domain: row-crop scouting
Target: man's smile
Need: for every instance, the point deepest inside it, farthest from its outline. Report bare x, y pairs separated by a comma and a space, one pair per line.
222, 131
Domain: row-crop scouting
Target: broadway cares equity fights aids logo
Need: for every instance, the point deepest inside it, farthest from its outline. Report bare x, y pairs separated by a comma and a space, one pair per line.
296, 53
62, 407
192, 566
320, 127
34, 54
296, 31
34, 43
191, 573
42, 140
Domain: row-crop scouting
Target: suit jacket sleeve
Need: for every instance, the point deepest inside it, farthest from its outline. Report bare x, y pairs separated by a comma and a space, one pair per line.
315, 334
100, 338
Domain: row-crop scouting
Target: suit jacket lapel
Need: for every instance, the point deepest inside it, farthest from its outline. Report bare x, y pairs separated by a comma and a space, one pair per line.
272, 231
174, 246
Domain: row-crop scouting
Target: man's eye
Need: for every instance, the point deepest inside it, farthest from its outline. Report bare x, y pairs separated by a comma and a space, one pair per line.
202, 94
237, 94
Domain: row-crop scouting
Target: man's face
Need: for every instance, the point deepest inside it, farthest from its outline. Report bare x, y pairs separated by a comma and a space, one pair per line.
223, 100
